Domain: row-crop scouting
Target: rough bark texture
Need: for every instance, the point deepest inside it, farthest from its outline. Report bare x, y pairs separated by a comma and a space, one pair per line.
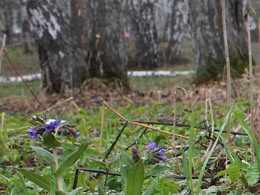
176, 31
107, 54
77, 20
143, 25
61, 60
207, 38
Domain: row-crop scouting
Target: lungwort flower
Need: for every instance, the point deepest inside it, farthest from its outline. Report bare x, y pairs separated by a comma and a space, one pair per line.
33, 133
53, 126
152, 154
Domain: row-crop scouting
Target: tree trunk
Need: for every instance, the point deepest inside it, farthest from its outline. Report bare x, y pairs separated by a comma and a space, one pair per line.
26, 31
176, 31
143, 25
61, 60
207, 38
106, 53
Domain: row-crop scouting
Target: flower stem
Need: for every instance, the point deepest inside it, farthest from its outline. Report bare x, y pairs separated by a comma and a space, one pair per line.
59, 178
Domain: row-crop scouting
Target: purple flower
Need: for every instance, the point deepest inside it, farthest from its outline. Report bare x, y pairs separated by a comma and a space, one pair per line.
56, 123
151, 145
75, 133
135, 155
161, 152
164, 158
49, 127
51, 124
134, 151
33, 133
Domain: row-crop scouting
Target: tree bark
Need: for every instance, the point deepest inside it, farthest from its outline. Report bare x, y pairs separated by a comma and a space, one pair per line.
176, 31
61, 60
143, 25
207, 38
106, 52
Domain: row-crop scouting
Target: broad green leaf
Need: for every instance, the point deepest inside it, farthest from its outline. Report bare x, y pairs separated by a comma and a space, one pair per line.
75, 192
125, 166
135, 179
232, 171
38, 179
149, 190
252, 175
48, 156
50, 140
155, 171
70, 160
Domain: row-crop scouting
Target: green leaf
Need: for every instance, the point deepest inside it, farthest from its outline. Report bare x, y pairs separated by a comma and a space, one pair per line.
251, 136
150, 189
70, 160
135, 179
75, 192
232, 171
44, 153
252, 175
125, 166
23, 183
211, 152
50, 140
38, 179
155, 171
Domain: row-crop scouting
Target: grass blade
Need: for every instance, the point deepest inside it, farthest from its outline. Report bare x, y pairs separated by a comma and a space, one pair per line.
211, 152
251, 136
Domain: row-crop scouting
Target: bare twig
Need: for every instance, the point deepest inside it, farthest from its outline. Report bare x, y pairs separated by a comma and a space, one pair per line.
1, 51
115, 141
2, 122
223, 7
18, 74
141, 124
101, 128
249, 10
208, 102
59, 103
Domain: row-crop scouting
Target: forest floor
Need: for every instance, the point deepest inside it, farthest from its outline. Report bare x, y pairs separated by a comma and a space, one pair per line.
144, 90
94, 92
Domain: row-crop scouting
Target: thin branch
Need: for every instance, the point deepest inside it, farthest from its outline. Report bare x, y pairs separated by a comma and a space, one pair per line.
180, 177
224, 25
141, 124
188, 126
116, 140
18, 74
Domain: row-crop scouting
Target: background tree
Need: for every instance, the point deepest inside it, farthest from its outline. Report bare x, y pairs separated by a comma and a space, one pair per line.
176, 28
107, 55
61, 59
145, 32
207, 38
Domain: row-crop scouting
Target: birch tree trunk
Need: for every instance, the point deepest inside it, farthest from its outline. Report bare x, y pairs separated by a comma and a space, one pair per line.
143, 25
107, 53
207, 38
176, 31
61, 60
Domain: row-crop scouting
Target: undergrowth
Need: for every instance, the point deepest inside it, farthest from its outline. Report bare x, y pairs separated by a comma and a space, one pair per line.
226, 168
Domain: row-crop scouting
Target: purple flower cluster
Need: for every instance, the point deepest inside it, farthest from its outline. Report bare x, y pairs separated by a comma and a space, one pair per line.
153, 153
51, 125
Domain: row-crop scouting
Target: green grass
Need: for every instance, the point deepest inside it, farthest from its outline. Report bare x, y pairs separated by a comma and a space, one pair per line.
158, 82
18, 89
25, 63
